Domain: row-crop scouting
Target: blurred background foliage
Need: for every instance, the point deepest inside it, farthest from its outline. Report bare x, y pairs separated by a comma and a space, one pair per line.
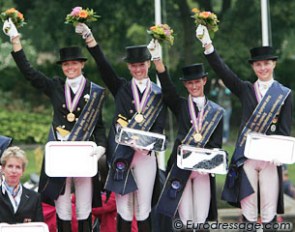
25, 113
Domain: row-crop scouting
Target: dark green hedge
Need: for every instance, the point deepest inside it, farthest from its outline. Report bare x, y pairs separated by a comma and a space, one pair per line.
25, 127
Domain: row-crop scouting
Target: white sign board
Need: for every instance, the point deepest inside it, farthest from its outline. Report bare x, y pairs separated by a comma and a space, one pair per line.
24, 227
70, 159
270, 147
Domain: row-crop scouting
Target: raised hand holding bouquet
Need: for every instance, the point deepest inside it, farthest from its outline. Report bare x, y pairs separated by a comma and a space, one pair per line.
155, 49
162, 33
207, 19
80, 15
16, 17
12, 19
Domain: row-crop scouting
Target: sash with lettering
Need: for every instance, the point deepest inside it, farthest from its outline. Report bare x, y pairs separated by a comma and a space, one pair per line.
260, 121
177, 178
81, 131
120, 179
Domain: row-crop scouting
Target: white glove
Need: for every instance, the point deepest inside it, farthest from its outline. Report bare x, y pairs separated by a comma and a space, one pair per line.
83, 30
276, 162
98, 152
10, 29
203, 35
155, 49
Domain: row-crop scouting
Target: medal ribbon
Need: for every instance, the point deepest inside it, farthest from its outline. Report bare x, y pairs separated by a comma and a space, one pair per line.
152, 110
197, 121
258, 93
140, 105
71, 105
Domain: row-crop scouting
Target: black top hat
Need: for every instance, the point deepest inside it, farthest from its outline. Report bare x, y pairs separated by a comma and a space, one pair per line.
262, 53
193, 72
136, 54
70, 53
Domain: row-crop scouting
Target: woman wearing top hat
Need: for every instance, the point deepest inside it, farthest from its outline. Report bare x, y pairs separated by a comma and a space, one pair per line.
191, 193
266, 108
74, 101
132, 174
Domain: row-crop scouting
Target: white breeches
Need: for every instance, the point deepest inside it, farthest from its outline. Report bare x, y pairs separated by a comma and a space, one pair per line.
83, 193
265, 174
195, 200
138, 203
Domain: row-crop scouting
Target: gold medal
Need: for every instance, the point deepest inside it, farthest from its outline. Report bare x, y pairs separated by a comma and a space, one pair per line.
71, 117
139, 118
198, 137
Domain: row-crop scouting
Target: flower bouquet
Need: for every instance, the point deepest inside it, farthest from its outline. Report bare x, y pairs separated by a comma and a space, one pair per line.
162, 32
207, 19
80, 15
16, 17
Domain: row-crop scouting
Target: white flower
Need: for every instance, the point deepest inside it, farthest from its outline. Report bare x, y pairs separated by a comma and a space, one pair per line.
86, 97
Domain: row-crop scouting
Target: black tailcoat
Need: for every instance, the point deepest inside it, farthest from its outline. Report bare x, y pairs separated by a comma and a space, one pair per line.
4, 143
54, 89
244, 90
179, 107
124, 103
29, 210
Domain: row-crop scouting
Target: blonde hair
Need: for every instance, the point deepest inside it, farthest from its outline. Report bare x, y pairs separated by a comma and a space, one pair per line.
14, 152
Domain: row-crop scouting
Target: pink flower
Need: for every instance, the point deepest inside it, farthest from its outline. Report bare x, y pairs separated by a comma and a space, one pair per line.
76, 11
167, 32
162, 32
80, 15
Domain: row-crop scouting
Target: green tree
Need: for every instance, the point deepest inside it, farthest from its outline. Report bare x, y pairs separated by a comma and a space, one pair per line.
124, 23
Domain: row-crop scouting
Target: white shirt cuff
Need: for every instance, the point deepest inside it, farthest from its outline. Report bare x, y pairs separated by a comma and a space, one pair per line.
209, 50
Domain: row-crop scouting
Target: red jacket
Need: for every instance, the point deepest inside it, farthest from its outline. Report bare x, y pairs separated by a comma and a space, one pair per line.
108, 215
